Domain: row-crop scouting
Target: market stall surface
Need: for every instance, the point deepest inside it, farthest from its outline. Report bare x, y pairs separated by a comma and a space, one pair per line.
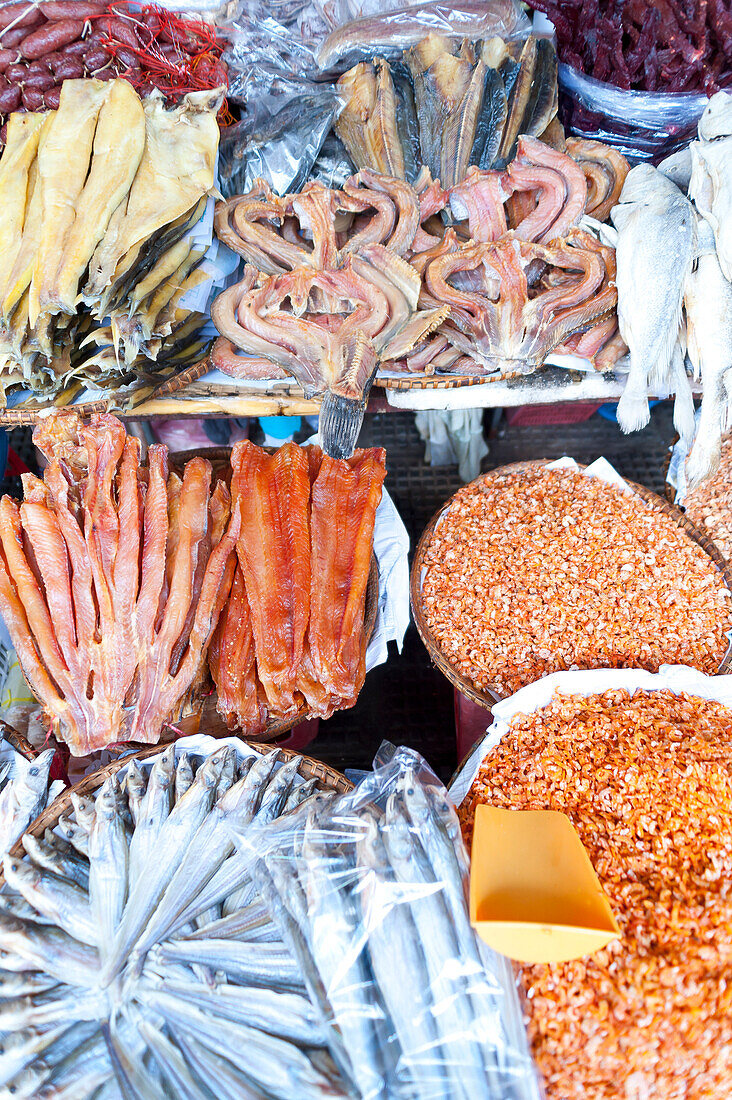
407, 700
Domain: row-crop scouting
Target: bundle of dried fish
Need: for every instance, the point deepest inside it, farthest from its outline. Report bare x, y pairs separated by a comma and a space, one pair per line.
675, 294
291, 633
371, 892
24, 791
99, 198
329, 328
447, 106
503, 318
136, 957
112, 577
325, 293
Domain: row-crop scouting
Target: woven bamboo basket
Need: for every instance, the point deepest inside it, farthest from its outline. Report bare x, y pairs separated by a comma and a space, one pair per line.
328, 778
18, 741
489, 697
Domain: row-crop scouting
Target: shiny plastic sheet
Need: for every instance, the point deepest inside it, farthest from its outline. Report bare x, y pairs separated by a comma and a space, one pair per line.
370, 890
281, 134
642, 125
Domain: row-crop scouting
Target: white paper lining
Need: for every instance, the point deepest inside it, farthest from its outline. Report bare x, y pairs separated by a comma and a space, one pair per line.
676, 678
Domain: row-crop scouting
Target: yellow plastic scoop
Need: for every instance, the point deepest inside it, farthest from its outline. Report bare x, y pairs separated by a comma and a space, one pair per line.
534, 894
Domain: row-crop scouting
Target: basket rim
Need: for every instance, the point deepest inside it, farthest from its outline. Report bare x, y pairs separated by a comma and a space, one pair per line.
487, 698
47, 819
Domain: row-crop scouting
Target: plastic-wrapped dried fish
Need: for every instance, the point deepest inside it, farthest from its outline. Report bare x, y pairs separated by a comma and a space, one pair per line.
82, 1014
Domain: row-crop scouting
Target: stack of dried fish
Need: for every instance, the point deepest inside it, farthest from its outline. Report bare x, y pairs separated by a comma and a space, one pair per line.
98, 198
674, 256
136, 957
23, 792
291, 633
112, 577
337, 281
371, 890
325, 293
447, 106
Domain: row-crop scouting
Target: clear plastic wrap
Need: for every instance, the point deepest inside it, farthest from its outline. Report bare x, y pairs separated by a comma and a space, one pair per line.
286, 122
333, 166
387, 33
370, 889
284, 34
642, 125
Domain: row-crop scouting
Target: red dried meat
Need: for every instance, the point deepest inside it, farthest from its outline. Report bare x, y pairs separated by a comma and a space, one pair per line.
274, 553
109, 643
346, 494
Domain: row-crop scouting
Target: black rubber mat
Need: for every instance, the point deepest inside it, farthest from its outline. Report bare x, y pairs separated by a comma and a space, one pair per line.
407, 700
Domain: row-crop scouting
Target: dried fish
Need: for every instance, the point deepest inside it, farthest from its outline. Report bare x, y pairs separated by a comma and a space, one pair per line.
80, 1019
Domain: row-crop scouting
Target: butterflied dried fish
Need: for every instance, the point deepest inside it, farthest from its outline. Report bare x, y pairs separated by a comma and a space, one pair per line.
450, 105
99, 527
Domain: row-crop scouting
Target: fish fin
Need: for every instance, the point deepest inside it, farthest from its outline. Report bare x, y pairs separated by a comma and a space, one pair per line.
633, 411
339, 424
684, 401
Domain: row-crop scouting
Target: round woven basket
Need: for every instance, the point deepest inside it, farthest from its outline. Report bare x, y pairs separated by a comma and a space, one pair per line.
18, 741
328, 778
489, 697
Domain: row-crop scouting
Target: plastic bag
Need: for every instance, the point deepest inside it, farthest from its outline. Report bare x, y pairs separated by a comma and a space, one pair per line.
285, 35
370, 889
642, 125
388, 33
332, 166
279, 138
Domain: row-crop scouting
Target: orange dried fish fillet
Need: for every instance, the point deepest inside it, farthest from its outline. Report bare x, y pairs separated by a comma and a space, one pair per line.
231, 658
345, 496
274, 553
107, 645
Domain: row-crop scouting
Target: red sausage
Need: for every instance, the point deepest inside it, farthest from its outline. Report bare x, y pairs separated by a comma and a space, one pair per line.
39, 80
10, 100
7, 57
10, 13
51, 37
128, 58
96, 59
68, 68
16, 73
121, 31
104, 74
71, 9
33, 98
14, 37
41, 65
4, 134
76, 49
52, 98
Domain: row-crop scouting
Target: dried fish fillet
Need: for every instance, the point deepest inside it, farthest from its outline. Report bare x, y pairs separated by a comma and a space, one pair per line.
63, 165
119, 142
110, 646
274, 553
345, 497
